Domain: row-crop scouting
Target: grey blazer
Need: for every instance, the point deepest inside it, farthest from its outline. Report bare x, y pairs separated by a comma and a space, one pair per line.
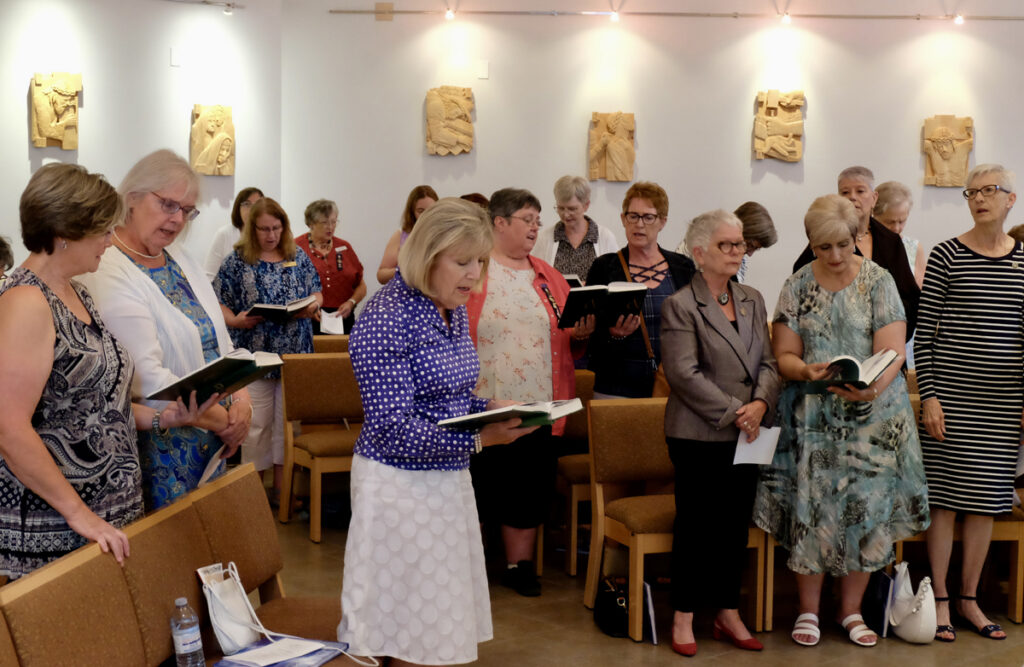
714, 370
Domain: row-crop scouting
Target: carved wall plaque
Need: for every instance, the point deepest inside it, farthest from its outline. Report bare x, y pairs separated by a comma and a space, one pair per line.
779, 126
55, 110
212, 146
449, 120
947, 142
612, 154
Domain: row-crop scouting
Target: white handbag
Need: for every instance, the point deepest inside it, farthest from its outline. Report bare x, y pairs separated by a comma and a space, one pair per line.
233, 619
912, 615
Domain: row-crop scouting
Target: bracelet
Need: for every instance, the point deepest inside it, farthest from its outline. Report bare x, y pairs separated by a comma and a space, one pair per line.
354, 303
156, 424
614, 337
478, 442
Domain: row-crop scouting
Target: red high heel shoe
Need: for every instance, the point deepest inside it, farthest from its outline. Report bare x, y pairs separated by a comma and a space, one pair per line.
689, 650
751, 644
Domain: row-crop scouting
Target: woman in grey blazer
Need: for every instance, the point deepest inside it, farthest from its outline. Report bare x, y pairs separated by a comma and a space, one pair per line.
725, 383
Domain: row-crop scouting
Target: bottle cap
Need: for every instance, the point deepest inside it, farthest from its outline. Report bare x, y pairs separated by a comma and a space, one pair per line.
181, 602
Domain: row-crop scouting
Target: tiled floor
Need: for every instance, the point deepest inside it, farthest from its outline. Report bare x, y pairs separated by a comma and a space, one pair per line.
556, 629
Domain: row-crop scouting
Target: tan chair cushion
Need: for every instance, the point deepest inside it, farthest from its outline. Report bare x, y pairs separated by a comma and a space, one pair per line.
338, 442
644, 514
309, 617
1016, 515
55, 614
168, 547
8, 656
240, 526
575, 468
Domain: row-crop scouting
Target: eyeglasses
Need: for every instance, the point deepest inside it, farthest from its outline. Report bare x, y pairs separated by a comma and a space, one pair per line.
327, 222
170, 207
530, 222
247, 204
726, 247
986, 191
636, 218
269, 230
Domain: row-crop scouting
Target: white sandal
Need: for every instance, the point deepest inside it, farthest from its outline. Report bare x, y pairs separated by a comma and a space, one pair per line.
859, 630
806, 624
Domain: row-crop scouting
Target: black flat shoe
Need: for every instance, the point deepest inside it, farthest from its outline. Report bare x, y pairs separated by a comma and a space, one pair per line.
522, 579
985, 631
939, 629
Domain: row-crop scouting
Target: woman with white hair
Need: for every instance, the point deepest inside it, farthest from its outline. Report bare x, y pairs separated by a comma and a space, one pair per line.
969, 351
573, 243
160, 305
847, 479
725, 384
892, 210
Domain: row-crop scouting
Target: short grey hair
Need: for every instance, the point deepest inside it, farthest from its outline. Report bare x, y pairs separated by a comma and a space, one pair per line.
568, 187
704, 226
1007, 179
830, 219
450, 223
892, 193
857, 172
159, 170
319, 209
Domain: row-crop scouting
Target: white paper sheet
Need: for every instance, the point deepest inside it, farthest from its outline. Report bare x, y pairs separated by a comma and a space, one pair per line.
331, 323
761, 450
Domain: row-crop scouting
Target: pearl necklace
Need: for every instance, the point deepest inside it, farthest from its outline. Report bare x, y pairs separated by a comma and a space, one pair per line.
131, 249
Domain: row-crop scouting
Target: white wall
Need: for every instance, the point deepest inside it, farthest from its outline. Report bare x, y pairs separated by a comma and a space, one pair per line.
133, 101
354, 89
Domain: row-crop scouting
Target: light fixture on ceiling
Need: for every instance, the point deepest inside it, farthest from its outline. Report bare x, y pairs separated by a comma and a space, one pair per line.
614, 16
228, 9
786, 19
958, 19
449, 14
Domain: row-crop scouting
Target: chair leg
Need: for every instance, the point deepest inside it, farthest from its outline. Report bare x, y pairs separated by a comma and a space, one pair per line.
539, 555
898, 549
315, 500
594, 561
769, 581
284, 508
759, 584
571, 553
1015, 610
636, 590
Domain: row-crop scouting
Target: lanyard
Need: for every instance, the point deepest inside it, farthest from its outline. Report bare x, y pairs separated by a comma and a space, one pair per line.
551, 300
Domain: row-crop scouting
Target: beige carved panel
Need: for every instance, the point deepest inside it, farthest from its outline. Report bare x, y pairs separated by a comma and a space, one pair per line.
779, 126
612, 154
212, 145
449, 120
947, 141
55, 110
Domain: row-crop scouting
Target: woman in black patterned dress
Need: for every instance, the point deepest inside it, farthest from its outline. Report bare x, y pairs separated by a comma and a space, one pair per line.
969, 351
69, 464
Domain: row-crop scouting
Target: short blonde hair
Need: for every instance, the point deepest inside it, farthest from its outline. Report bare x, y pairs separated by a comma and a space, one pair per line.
568, 187
830, 218
1007, 179
892, 193
450, 223
157, 171
248, 244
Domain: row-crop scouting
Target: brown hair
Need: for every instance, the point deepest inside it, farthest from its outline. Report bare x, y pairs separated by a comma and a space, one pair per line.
66, 201
248, 245
409, 213
236, 210
652, 192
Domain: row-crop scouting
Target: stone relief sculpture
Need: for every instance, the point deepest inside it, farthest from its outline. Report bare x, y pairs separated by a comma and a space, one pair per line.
449, 120
779, 126
611, 154
212, 145
947, 142
55, 110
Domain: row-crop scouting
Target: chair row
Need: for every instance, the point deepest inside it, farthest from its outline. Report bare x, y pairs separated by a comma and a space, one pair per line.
84, 609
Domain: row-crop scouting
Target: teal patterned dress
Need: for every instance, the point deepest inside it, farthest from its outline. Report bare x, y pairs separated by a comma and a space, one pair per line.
847, 479
173, 463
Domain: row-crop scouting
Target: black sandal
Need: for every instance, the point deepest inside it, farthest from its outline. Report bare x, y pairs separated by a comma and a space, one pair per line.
939, 629
986, 631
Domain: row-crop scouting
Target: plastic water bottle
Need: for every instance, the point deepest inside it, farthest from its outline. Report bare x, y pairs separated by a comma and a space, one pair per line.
188, 643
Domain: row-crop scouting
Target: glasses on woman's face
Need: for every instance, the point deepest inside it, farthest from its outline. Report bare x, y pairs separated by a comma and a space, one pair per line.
727, 247
529, 222
645, 218
276, 229
986, 191
170, 207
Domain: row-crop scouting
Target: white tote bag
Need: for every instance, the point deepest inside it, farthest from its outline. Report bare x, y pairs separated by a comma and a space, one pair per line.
912, 616
233, 619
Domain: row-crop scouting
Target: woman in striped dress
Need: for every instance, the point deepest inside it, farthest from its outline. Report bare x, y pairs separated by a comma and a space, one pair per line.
969, 353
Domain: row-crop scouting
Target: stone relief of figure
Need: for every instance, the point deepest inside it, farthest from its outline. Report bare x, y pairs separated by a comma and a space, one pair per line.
212, 143
449, 120
611, 154
779, 126
947, 142
55, 110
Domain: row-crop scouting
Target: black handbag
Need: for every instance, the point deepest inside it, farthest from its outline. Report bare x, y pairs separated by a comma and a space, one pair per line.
611, 607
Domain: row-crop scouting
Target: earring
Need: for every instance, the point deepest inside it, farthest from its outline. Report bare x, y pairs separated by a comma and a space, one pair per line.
64, 244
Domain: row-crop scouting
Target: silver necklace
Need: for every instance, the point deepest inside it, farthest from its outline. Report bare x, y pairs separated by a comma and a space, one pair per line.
723, 298
131, 249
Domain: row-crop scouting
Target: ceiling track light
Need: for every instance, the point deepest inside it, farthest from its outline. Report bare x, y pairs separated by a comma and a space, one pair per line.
449, 14
228, 7
958, 19
786, 19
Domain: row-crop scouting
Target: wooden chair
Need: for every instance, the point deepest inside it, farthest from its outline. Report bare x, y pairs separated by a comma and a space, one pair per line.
330, 343
573, 477
627, 447
322, 396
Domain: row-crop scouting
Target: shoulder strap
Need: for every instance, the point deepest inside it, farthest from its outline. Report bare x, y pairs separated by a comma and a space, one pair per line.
643, 323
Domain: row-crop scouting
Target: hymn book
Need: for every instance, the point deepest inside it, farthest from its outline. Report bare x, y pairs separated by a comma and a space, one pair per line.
608, 302
222, 376
533, 414
844, 370
279, 314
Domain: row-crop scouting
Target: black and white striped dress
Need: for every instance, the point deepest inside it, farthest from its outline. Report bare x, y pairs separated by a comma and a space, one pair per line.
969, 353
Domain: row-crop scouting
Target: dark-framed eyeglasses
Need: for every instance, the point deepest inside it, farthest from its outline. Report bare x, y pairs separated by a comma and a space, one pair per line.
726, 247
170, 207
634, 218
986, 191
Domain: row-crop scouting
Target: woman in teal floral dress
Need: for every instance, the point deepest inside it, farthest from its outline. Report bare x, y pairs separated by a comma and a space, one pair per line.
847, 479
